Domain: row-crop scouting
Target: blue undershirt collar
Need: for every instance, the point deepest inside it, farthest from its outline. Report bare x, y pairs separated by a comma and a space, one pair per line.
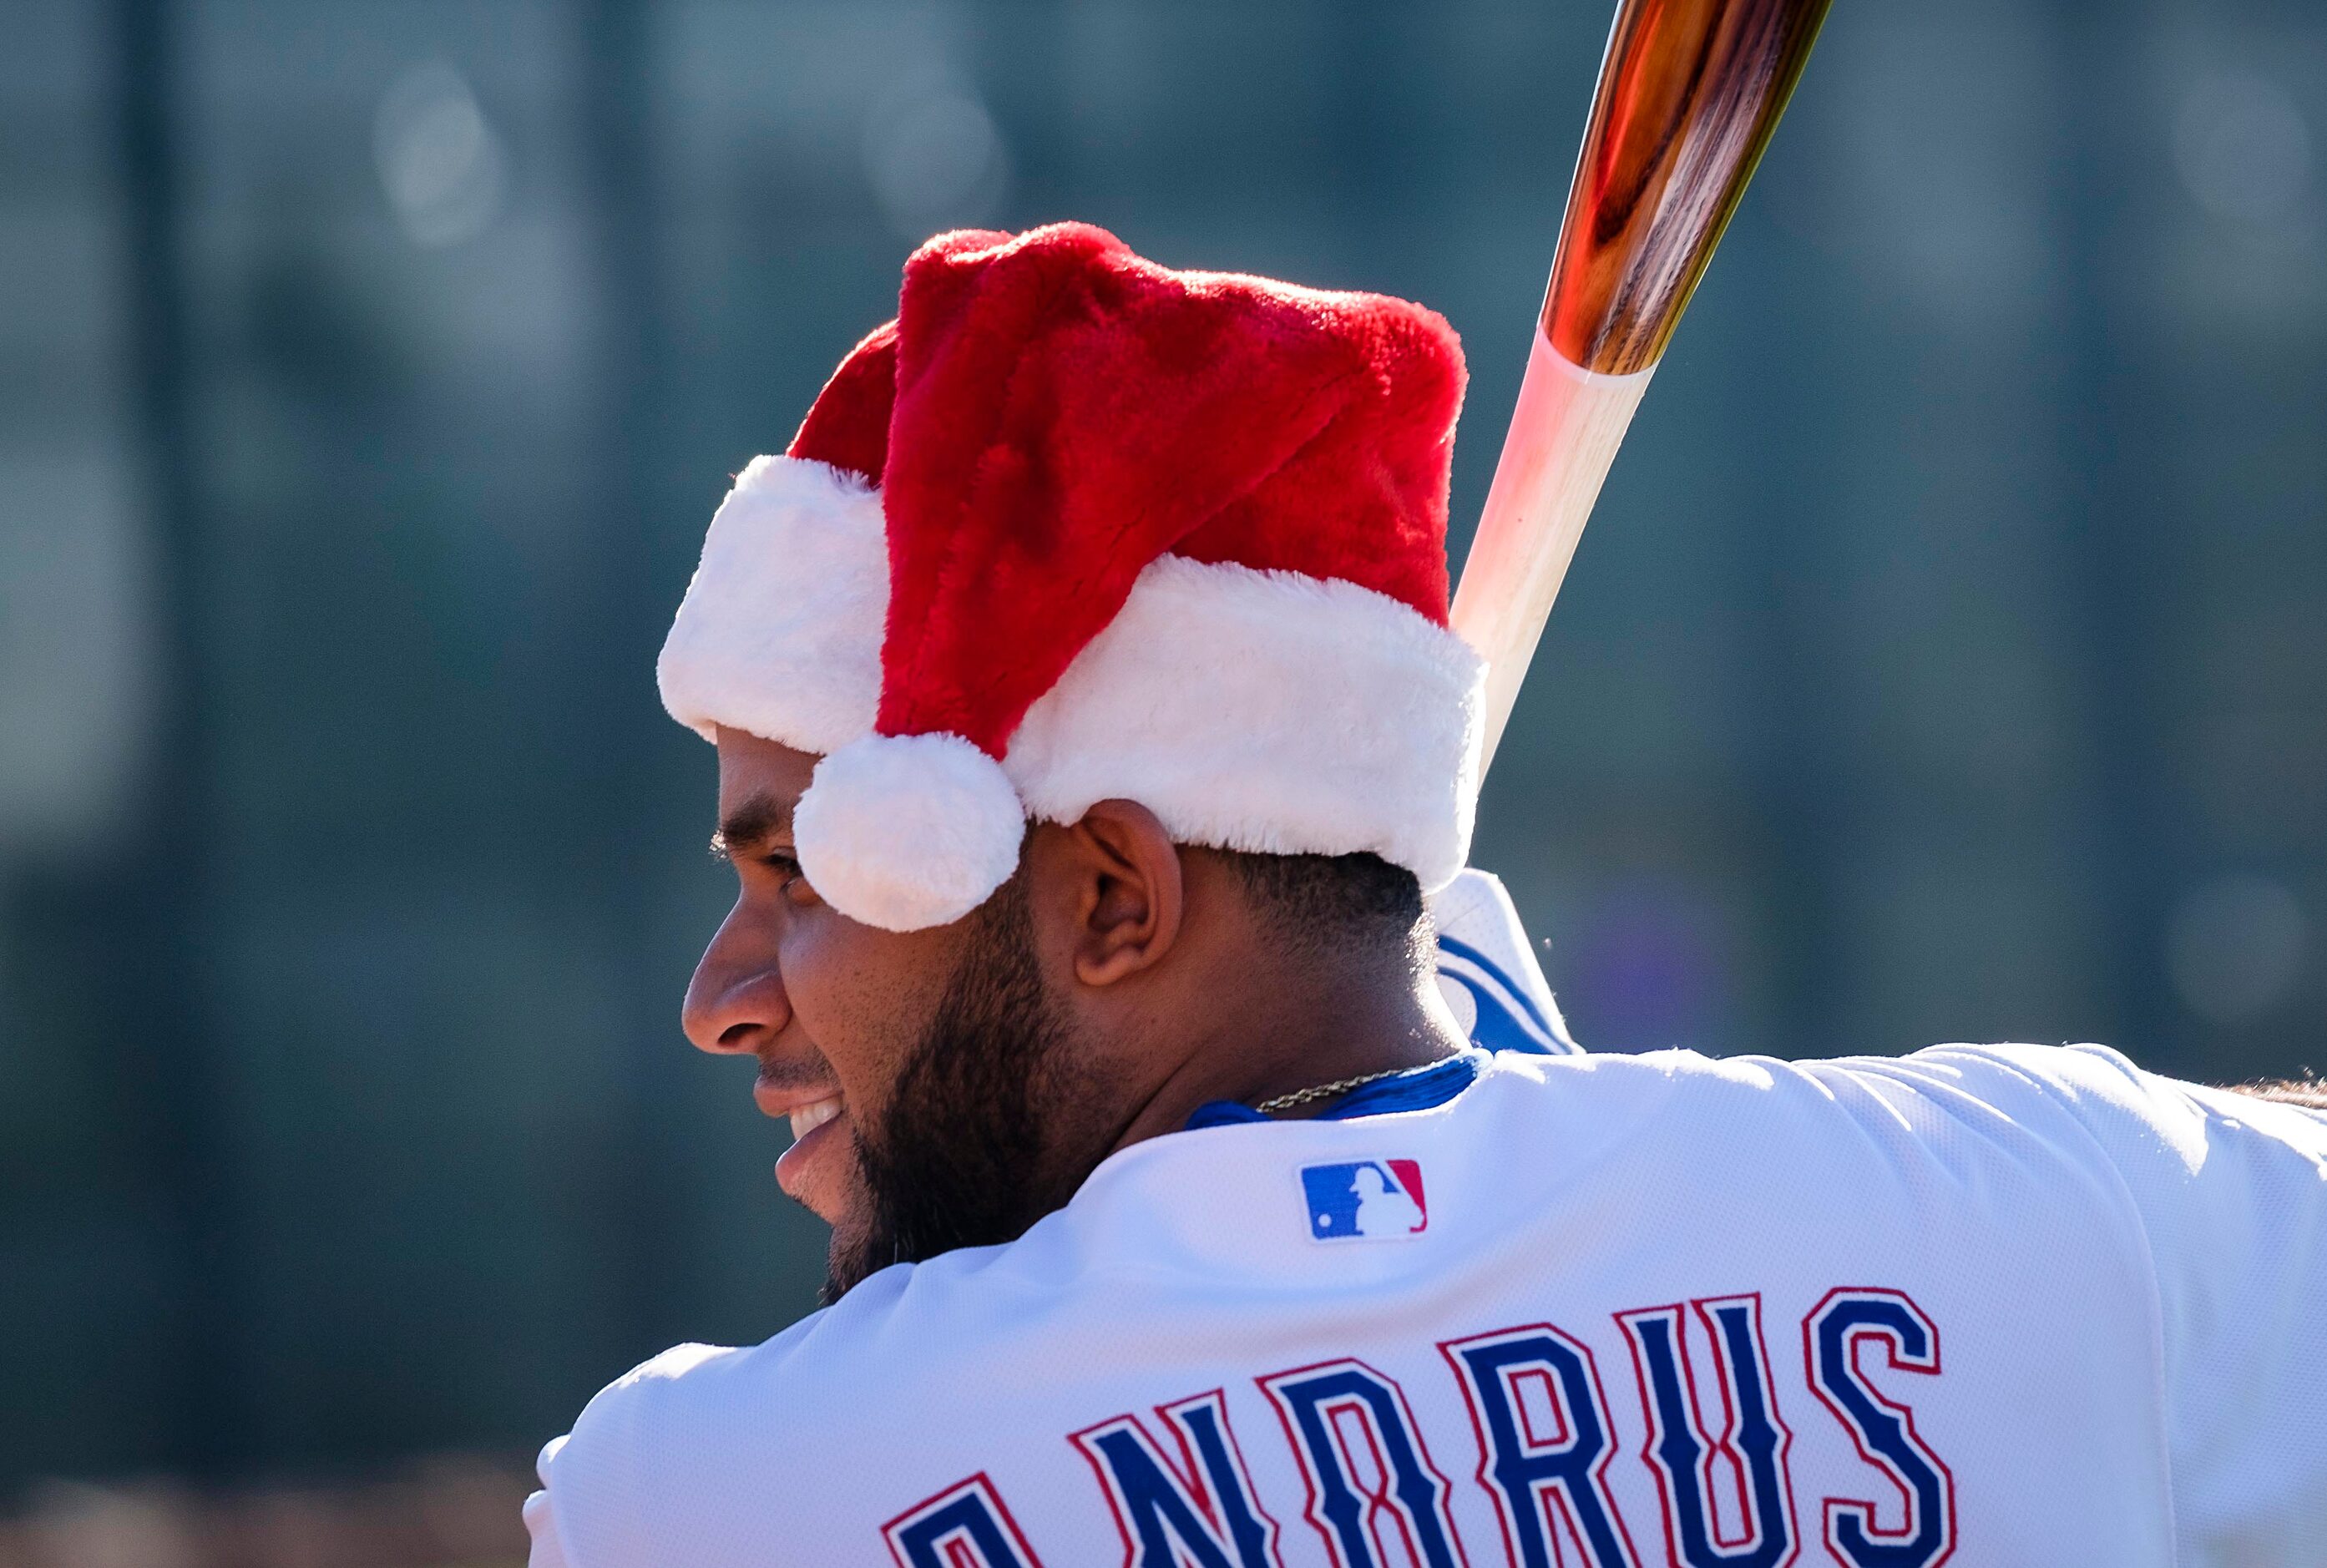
1416, 1089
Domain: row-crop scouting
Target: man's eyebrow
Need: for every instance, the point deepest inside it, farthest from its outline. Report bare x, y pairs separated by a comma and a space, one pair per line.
759, 818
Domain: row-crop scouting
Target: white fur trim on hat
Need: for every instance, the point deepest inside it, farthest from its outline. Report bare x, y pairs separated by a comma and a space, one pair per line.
1270, 711
780, 634
904, 831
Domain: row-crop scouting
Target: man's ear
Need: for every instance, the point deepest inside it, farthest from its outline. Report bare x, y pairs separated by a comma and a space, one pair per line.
1128, 890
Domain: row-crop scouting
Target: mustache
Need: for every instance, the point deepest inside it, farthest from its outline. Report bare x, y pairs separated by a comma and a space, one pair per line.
791, 1070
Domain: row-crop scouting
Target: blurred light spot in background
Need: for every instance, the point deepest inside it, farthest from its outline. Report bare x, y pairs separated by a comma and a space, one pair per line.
75, 647
2242, 147
2234, 947
441, 164
1944, 207
934, 155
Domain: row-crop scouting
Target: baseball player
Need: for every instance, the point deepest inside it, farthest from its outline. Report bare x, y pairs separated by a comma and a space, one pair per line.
1090, 739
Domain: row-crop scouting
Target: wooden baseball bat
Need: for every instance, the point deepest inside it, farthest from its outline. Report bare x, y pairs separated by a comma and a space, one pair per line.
1689, 93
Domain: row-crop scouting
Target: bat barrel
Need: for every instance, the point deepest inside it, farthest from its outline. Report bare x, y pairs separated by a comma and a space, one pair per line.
1690, 92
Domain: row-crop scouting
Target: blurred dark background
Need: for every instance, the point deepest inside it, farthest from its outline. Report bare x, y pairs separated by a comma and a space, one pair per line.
1947, 658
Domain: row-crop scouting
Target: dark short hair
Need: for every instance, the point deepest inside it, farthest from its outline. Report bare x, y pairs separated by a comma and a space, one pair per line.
1337, 904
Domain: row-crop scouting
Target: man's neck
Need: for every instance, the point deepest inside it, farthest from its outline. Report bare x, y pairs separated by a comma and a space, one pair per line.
1304, 1026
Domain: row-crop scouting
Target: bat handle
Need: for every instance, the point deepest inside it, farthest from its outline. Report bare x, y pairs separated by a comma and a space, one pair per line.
1563, 435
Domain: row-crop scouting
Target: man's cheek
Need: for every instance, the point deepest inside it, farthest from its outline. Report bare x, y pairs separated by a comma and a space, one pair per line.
862, 1020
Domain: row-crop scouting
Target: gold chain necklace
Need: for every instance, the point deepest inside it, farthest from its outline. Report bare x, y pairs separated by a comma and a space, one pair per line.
1326, 1091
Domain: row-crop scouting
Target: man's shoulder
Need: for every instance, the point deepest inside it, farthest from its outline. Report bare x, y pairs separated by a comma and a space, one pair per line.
689, 1397
673, 1445
1680, 1120
710, 1387
601, 1480
814, 1374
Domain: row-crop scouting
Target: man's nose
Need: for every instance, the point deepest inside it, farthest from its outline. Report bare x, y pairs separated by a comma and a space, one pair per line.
737, 1002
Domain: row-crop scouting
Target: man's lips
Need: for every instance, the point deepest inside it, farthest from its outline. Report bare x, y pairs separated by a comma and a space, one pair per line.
778, 1100
810, 1169
807, 1170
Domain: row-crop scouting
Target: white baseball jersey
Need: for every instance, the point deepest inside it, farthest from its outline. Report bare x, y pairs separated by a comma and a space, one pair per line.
1997, 1305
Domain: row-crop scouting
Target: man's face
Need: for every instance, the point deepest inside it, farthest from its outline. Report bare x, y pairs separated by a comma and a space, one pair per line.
935, 1089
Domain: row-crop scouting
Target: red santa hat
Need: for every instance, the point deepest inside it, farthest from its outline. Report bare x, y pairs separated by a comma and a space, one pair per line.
1078, 526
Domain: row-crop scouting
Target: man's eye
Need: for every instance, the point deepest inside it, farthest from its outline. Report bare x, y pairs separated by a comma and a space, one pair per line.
791, 881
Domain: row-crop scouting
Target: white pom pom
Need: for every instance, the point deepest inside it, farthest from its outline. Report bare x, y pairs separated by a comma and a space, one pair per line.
905, 832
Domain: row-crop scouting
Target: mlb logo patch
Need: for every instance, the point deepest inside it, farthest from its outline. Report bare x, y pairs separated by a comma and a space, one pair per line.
1365, 1200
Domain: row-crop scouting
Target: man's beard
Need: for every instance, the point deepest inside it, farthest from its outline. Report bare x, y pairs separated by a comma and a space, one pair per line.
994, 1120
